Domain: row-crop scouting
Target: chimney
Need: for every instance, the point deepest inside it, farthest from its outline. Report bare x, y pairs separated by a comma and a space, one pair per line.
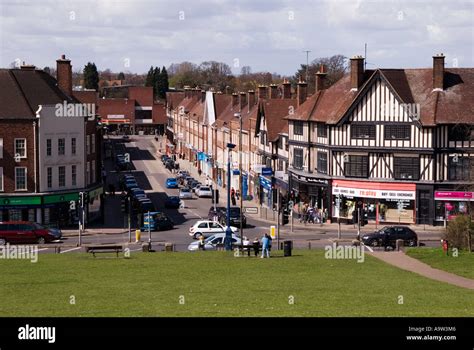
273, 91
321, 79
27, 66
243, 100
203, 96
301, 92
438, 72
235, 100
286, 89
64, 75
262, 92
187, 92
357, 72
251, 98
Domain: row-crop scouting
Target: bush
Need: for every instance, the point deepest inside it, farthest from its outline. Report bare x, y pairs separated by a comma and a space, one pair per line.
458, 232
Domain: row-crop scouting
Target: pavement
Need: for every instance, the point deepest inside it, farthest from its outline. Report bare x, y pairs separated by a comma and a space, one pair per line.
402, 261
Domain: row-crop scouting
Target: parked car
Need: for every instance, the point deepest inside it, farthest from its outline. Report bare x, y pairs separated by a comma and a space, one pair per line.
388, 235
157, 221
164, 157
171, 183
213, 241
172, 202
204, 191
183, 174
26, 232
192, 185
206, 228
234, 217
185, 193
213, 215
125, 138
136, 192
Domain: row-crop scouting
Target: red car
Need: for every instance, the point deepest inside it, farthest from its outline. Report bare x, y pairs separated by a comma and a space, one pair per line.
26, 232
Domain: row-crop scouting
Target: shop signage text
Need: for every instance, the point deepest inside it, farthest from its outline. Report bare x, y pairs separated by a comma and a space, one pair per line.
365, 193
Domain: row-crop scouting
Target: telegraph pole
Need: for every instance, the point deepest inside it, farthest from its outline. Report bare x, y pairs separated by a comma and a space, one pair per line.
307, 63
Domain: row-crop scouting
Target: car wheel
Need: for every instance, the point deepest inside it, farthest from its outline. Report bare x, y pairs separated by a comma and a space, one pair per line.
41, 240
3, 241
375, 243
197, 235
412, 243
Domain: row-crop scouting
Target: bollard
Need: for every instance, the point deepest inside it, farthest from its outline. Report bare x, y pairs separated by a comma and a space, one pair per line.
309, 245
137, 236
399, 244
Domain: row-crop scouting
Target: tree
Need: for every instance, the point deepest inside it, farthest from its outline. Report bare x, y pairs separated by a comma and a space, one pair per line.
156, 78
149, 77
335, 67
163, 83
91, 76
121, 76
459, 232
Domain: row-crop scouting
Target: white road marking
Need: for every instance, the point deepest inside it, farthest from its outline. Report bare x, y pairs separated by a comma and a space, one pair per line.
41, 249
70, 250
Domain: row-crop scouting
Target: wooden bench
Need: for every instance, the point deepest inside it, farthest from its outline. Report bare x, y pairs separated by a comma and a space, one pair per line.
96, 249
248, 248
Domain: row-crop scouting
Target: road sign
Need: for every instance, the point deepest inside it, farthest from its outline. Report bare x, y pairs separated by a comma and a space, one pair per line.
267, 171
273, 232
251, 210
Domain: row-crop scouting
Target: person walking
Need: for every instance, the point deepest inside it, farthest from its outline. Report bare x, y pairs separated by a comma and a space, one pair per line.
232, 196
265, 246
202, 243
256, 246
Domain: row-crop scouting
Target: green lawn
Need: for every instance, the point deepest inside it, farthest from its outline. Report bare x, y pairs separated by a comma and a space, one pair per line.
462, 265
218, 284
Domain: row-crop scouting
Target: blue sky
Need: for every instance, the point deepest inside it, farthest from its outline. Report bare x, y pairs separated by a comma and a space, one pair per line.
266, 35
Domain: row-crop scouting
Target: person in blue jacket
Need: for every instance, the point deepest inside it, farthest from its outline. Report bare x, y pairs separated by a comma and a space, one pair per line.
266, 242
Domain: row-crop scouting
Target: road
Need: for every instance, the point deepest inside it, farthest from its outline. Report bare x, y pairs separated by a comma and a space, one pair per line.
151, 176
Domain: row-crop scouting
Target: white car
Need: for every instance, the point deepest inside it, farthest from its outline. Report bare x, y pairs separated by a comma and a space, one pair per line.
207, 228
204, 191
211, 242
185, 193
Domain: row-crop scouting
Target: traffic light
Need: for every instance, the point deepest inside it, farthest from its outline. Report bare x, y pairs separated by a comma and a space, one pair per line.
86, 198
81, 199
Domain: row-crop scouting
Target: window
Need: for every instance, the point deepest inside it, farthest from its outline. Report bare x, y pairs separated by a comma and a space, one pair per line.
20, 148
459, 168
88, 144
93, 172
406, 168
262, 137
322, 130
298, 158
49, 177
93, 143
62, 176
74, 175
73, 146
280, 142
322, 162
461, 132
362, 131
1, 148
48, 147
20, 179
356, 166
298, 127
61, 147
397, 132
1, 179
88, 170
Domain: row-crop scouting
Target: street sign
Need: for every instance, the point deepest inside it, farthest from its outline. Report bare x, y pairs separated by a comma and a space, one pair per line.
267, 171
251, 210
273, 232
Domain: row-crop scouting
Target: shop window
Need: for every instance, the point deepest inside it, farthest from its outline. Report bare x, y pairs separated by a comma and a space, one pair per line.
15, 215
397, 132
46, 213
448, 210
461, 132
363, 131
322, 130
298, 127
298, 158
88, 144
357, 166
459, 168
93, 143
406, 168
32, 215
322, 162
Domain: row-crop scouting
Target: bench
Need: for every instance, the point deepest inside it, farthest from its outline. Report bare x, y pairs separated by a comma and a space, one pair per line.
96, 249
248, 248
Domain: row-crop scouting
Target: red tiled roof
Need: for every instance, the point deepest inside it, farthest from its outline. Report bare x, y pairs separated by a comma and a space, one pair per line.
173, 98
274, 111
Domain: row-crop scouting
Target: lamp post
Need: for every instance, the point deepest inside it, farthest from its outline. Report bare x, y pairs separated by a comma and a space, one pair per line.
239, 115
228, 231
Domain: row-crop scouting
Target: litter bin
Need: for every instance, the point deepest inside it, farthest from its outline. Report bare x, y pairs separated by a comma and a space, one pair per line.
287, 247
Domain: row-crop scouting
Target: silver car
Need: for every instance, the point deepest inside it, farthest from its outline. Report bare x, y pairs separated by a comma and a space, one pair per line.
211, 242
185, 193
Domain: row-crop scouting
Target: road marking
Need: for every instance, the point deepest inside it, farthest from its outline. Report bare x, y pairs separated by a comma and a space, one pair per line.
41, 249
69, 250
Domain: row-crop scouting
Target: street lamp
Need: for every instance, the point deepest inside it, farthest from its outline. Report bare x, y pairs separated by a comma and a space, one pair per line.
228, 231
239, 115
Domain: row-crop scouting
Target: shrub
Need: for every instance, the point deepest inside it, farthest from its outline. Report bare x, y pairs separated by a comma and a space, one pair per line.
458, 232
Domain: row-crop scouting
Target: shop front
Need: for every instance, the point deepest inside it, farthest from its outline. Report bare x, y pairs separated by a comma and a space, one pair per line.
311, 190
450, 204
382, 202
266, 193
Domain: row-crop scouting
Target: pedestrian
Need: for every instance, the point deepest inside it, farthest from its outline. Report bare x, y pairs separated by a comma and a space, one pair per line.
104, 175
232, 196
265, 246
202, 243
199, 172
256, 246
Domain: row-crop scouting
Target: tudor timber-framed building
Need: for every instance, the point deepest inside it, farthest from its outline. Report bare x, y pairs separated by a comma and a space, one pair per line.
398, 140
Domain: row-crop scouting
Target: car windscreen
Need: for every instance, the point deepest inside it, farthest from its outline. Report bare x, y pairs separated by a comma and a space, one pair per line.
204, 189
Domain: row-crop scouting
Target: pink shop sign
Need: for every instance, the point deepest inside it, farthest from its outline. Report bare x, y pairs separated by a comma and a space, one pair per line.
442, 195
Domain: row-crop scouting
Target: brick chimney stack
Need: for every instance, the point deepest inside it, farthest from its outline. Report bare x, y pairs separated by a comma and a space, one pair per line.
357, 72
64, 75
438, 72
203, 96
286, 89
273, 91
321, 79
235, 100
301, 92
262, 92
243, 100
252, 100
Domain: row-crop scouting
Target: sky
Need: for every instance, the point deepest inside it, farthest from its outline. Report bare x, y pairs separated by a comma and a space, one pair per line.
273, 35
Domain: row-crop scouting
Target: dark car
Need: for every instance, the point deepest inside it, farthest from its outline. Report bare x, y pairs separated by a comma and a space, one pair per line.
164, 158
215, 214
172, 202
157, 221
234, 217
26, 232
387, 236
